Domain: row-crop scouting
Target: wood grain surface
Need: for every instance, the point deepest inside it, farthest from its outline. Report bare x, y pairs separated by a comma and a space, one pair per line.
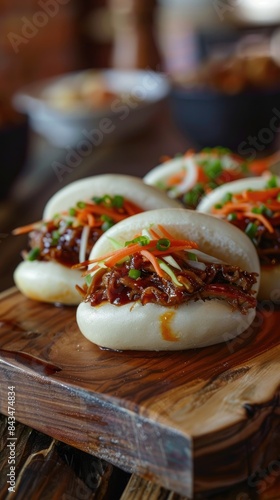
191, 421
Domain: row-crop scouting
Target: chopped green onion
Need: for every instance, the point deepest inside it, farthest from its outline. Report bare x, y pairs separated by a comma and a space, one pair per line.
88, 279
258, 210
213, 168
97, 199
117, 201
262, 209
192, 197
33, 254
191, 256
107, 200
55, 237
142, 240
272, 182
72, 211
218, 205
163, 244
134, 273
251, 230
226, 198
232, 216
81, 204
108, 222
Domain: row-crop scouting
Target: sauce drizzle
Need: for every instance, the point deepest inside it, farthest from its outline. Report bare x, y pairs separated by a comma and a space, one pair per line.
166, 329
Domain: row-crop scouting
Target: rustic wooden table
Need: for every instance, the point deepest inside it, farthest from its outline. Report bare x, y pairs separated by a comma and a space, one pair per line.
47, 468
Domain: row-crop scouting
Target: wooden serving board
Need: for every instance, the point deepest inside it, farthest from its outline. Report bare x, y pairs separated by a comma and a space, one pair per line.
192, 421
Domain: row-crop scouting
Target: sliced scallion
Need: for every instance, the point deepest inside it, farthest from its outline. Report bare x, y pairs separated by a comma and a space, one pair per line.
134, 273
163, 244
33, 254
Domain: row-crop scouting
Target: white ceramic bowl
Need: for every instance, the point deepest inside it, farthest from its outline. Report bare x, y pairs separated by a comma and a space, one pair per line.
63, 121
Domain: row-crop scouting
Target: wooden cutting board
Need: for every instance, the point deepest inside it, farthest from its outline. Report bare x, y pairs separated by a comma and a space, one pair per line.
192, 421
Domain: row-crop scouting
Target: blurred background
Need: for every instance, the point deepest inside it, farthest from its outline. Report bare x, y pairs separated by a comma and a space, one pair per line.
220, 58
196, 43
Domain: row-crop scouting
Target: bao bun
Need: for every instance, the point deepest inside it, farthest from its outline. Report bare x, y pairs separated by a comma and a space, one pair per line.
196, 324
160, 174
132, 188
270, 276
53, 282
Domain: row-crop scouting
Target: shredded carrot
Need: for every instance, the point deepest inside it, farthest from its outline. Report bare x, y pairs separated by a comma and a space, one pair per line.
101, 210
153, 261
120, 254
273, 205
131, 208
262, 195
115, 256
165, 232
176, 179
262, 219
231, 207
258, 167
91, 220
201, 176
154, 233
27, 228
242, 204
176, 248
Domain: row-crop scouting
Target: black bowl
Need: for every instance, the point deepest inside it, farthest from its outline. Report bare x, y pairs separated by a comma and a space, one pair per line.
13, 152
247, 123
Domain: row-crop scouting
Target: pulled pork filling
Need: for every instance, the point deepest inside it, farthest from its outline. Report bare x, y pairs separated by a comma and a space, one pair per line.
257, 214
62, 247
71, 234
211, 281
267, 244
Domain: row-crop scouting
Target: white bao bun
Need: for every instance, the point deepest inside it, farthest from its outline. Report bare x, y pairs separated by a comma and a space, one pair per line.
48, 282
196, 324
53, 282
161, 173
270, 276
131, 187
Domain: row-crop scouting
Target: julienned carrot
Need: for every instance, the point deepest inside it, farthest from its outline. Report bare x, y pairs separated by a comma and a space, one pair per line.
153, 261
165, 232
131, 208
27, 228
175, 248
231, 207
154, 233
258, 167
201, 175
262, 195
262, 219
101, 210
176, 179
113, 257
91, 220
117, 255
